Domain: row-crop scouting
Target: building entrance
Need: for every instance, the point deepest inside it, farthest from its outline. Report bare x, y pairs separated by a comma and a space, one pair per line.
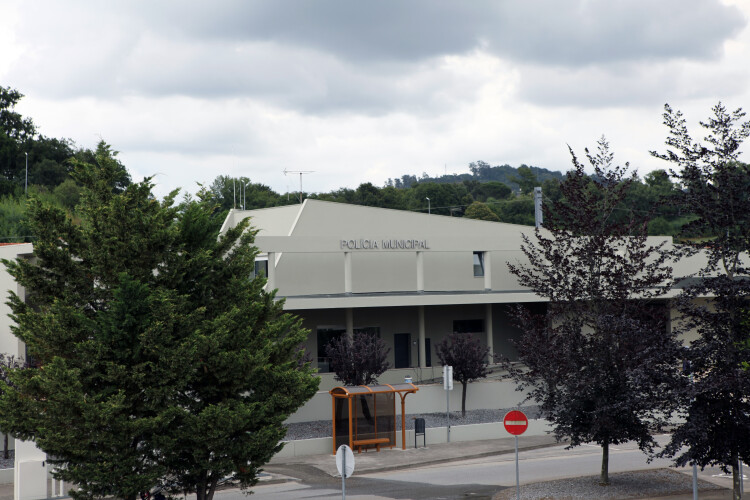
402, 350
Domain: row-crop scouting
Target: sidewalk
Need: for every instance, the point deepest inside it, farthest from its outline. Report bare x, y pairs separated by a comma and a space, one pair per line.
396, 458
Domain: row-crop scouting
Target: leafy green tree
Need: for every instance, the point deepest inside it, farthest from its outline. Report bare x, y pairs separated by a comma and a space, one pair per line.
526, 179
13, 225
238, 192
68, 193
493, 189
600, 360
479, 210
519, 210
160, 363
716, 187
15, 133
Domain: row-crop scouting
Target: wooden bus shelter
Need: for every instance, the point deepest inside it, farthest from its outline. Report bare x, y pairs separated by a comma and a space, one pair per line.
365, 416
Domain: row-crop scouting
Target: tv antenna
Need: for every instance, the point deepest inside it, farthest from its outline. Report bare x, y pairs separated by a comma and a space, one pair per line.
300, 172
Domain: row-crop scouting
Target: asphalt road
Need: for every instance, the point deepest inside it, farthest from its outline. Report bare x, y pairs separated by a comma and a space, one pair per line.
477, 478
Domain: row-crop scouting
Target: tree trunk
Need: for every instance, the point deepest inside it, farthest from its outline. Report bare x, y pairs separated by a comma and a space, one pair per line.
6, 455
212, 489
736, 492
200, 490
464, 386
604, 478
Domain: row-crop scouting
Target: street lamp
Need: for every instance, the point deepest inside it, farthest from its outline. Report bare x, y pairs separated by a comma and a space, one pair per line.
428, 205
26, 184
244, 194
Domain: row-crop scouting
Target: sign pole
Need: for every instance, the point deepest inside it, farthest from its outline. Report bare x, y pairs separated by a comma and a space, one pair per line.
695, 481
345, 466
448, 413
343, 478
518, 483
516, 422
448, 386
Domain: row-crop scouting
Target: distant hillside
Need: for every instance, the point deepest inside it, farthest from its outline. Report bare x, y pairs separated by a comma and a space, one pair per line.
480, 171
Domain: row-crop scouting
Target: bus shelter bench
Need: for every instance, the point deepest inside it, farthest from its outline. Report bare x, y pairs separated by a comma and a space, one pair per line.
359, 443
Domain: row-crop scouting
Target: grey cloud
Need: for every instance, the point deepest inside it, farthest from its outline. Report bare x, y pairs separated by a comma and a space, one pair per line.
338, 56
569, 32
626, 84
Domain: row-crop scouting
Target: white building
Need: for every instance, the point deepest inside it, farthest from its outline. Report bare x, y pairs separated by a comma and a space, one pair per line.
411, 277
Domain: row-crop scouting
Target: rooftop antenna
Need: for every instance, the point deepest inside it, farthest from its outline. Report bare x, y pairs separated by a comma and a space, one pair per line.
300, 172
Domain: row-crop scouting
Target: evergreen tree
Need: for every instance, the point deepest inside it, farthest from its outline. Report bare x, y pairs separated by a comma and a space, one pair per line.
158, 361
601, 360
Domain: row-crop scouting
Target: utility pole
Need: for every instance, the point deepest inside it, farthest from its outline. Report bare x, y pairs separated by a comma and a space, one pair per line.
300, 172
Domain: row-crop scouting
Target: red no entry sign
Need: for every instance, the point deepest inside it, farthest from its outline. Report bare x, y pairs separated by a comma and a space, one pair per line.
515, 422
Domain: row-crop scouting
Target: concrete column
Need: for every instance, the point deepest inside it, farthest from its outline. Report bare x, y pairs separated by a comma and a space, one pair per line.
350, 322
487, 271
422, 342
347, 272
271, 278
420, 271
488, 328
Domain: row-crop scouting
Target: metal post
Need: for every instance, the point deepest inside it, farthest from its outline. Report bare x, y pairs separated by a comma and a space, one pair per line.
428, 206
742, 482
695, 481
343, 477
518, 484
448, 413
26, 185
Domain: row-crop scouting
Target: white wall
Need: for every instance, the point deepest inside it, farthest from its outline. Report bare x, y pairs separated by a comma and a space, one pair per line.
485, 394
433, 435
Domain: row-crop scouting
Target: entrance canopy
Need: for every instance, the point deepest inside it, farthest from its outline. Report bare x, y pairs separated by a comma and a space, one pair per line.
365, 416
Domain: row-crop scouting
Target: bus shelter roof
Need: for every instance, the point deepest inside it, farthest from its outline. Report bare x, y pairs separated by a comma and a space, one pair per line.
353, 390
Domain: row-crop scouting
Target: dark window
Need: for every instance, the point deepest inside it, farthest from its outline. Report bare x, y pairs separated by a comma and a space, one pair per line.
261, 268
468, 326
402, 350
325, 336
478, 263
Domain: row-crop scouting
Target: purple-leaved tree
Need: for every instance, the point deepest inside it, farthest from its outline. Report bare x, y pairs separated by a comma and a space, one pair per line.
600, 361
358, 360
464, 352
716, 188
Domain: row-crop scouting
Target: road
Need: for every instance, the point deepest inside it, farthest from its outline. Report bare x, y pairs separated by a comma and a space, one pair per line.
476, 478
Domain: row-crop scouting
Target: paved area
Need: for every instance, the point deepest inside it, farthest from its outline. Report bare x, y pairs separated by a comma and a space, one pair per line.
396, 458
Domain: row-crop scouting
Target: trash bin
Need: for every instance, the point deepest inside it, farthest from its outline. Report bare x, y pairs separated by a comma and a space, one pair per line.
419, 429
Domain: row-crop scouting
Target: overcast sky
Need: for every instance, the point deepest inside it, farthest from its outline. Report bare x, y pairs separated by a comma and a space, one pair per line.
365, 91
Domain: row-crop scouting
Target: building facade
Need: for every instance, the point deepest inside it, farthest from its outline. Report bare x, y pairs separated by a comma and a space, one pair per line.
411, 278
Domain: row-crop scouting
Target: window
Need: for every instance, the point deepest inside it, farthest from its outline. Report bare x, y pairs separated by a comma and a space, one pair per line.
325, 335
261, 267
468, 325
478, 263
